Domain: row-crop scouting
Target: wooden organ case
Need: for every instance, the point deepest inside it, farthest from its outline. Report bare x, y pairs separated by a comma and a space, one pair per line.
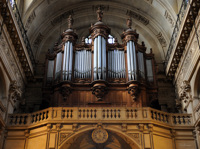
100, 73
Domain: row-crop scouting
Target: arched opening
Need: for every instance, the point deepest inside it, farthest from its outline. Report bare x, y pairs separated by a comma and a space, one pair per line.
84, 140
197, 85
2, 88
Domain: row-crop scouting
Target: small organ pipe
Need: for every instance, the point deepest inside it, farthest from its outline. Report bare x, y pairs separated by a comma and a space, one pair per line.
95, 59
99, 57
135, 62
70, 61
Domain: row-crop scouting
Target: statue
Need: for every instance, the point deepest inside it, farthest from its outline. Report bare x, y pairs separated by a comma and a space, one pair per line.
99, 14
129, 22
70, 22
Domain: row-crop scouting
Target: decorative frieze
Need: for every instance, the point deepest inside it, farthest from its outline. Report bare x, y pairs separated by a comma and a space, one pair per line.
138, 17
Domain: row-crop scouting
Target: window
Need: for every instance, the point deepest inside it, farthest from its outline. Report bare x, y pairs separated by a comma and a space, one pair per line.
111, 40
88, 40
12, 2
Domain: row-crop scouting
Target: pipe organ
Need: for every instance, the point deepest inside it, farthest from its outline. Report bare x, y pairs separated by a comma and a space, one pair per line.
99, 73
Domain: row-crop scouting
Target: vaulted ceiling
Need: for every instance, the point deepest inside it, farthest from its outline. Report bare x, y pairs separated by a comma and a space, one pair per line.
45, 20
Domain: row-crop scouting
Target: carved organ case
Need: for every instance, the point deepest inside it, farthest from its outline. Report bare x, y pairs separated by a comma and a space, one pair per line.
99, 73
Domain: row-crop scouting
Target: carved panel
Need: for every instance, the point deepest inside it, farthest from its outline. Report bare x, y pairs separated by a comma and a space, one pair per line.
136, 137
63, 136
161, 39
30, 20
169, 18
138, 17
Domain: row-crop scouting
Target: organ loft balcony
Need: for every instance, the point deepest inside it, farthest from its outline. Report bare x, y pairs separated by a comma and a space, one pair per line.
186, 24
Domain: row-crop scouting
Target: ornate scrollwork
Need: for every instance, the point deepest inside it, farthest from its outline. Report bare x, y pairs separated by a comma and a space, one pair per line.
15, 91
99, 90
66, 91
133, 91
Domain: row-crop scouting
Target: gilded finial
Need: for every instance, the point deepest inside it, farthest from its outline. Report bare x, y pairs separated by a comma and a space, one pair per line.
70, 22
99, 14
129, 22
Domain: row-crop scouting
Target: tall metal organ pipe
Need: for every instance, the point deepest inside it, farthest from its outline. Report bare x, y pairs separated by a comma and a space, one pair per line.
67, 61
99, 58
131, 61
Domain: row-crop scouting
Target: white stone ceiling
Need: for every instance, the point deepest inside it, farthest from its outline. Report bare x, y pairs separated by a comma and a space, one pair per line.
46, 19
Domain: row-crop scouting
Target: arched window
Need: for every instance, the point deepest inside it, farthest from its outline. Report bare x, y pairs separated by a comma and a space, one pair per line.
111, 39
88, 40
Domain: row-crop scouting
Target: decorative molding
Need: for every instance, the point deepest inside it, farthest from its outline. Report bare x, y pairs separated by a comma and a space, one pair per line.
161, 40
30, 20
38, 40
169, 18
137, 16
61, 17
11, 61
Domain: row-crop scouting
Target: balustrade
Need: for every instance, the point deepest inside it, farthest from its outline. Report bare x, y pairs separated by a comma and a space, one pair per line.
87, 114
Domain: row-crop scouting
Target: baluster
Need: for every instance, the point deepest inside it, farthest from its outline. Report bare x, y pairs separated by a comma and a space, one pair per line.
95, 113
22, 119
91, 113
71, 113
17, 120
103, 113
119, 113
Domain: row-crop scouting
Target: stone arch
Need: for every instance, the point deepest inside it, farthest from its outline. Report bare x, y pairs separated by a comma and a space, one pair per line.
197, 85
114, 133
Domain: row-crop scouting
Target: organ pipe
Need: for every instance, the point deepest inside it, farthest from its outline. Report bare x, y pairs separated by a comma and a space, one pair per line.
99, 58
82, 68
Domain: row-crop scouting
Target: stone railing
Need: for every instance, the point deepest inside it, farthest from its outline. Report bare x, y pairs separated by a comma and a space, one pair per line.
103, 114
